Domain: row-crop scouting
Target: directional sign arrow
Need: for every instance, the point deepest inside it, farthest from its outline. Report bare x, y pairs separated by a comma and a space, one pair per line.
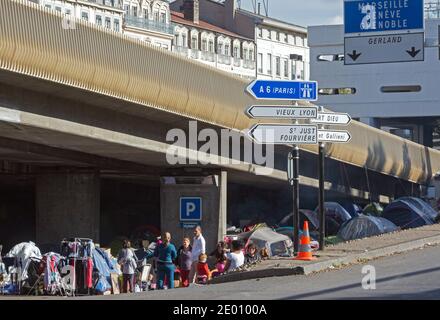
282, 112
283, 90
332, 118
333, 136
354, 55
413, 52
284, 134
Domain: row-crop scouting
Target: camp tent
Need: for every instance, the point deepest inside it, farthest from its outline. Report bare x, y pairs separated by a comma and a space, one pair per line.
373, 209
365, 226
335, 211
410, 212
312, 217
352, 208
275, 243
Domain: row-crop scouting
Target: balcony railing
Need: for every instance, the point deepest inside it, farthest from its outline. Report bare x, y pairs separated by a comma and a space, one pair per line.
181, 50
249, 64
142, 23
195, 54
223, 59
208, 56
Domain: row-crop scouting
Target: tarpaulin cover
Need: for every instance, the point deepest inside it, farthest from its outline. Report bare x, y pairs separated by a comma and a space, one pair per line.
24, 252
409, 212
276, 244
103, 264
365, 226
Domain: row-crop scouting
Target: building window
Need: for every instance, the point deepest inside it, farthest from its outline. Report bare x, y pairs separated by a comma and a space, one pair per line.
269, 35
269, 63
260, 63
116, 25
163, 17
58, 9
245, 54
68, 12
156, 16
227, 53
135, 11
278, 66
184, 43
251, 55
48, 6
278, 36
204, 45
99, 20
236, 52
194, 43
286, 68
260, 32
108, 23
127, 9
220, 48
211, 46
145, 13
85, 16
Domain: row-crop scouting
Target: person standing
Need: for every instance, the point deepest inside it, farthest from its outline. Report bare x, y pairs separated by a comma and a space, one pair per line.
235, 258
198, 248
165, 254
184, 261
128, 261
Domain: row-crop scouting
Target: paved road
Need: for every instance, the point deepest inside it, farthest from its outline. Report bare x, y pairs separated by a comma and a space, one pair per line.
413, 275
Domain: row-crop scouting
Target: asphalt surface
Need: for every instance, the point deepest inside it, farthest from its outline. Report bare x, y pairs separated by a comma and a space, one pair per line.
412, 275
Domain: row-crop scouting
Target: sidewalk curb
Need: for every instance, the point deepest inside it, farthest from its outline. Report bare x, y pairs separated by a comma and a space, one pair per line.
351, 258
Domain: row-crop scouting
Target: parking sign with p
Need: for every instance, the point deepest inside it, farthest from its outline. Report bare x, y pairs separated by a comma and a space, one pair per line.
190, 209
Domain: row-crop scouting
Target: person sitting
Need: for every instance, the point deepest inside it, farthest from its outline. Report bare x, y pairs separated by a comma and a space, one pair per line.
235, 258
203, 273
252, 255
220, 258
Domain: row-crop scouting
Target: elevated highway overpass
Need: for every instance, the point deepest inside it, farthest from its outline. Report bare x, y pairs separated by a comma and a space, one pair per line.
81, 107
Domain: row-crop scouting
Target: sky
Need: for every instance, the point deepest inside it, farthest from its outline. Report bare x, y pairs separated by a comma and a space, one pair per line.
304, 12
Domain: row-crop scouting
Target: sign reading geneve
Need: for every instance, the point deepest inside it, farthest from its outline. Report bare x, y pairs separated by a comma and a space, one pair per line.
333, 136
332, 118
284, 134
283, 90
362, 16
282, 112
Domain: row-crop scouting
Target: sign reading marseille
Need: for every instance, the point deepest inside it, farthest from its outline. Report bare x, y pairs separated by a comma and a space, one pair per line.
284, 90
190, 209
382, 15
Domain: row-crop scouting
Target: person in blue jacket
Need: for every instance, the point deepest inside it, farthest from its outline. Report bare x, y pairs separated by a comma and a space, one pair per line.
165, 253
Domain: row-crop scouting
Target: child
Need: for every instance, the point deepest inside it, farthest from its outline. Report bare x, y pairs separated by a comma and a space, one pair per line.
220, 258
252, 255
203, 273
184, 261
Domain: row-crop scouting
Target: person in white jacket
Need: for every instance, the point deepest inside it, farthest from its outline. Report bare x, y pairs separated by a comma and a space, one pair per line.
198, 248
128, 261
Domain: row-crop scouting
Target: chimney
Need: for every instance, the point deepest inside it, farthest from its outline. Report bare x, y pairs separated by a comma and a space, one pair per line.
230, 12
191, 10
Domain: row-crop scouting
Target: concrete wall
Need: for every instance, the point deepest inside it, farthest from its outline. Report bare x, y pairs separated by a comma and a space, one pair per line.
170, 201
67, 205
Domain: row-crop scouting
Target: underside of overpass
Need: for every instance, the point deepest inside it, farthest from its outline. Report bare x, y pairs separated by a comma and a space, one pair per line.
83, 140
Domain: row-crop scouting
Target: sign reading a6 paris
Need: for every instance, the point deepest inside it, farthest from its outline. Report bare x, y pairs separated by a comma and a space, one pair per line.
284, 90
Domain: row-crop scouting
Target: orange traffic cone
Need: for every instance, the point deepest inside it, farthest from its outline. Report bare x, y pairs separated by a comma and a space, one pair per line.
305, 250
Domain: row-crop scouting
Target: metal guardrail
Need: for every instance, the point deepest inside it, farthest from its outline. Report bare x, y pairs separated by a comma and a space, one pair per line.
142, 23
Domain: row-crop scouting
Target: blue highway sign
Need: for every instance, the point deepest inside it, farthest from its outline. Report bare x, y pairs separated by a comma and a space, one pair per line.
283, 90
382, 15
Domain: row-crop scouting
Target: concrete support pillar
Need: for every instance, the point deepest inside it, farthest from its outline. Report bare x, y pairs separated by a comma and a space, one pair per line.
212, 193
223, 205
67, 205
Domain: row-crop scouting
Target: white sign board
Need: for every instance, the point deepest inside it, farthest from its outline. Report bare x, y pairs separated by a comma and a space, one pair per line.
332, 118
333, 136
284, 134
282, 112
407, 47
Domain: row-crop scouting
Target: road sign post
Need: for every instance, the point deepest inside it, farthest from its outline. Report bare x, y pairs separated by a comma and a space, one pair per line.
295, 191
321, 163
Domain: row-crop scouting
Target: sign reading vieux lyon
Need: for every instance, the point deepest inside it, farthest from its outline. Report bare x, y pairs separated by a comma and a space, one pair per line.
362, 16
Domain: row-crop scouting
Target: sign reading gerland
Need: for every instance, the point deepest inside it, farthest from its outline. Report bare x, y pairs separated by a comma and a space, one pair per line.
382, 15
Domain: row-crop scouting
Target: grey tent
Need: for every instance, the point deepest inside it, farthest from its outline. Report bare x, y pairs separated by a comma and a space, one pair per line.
365, 226
276, 244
